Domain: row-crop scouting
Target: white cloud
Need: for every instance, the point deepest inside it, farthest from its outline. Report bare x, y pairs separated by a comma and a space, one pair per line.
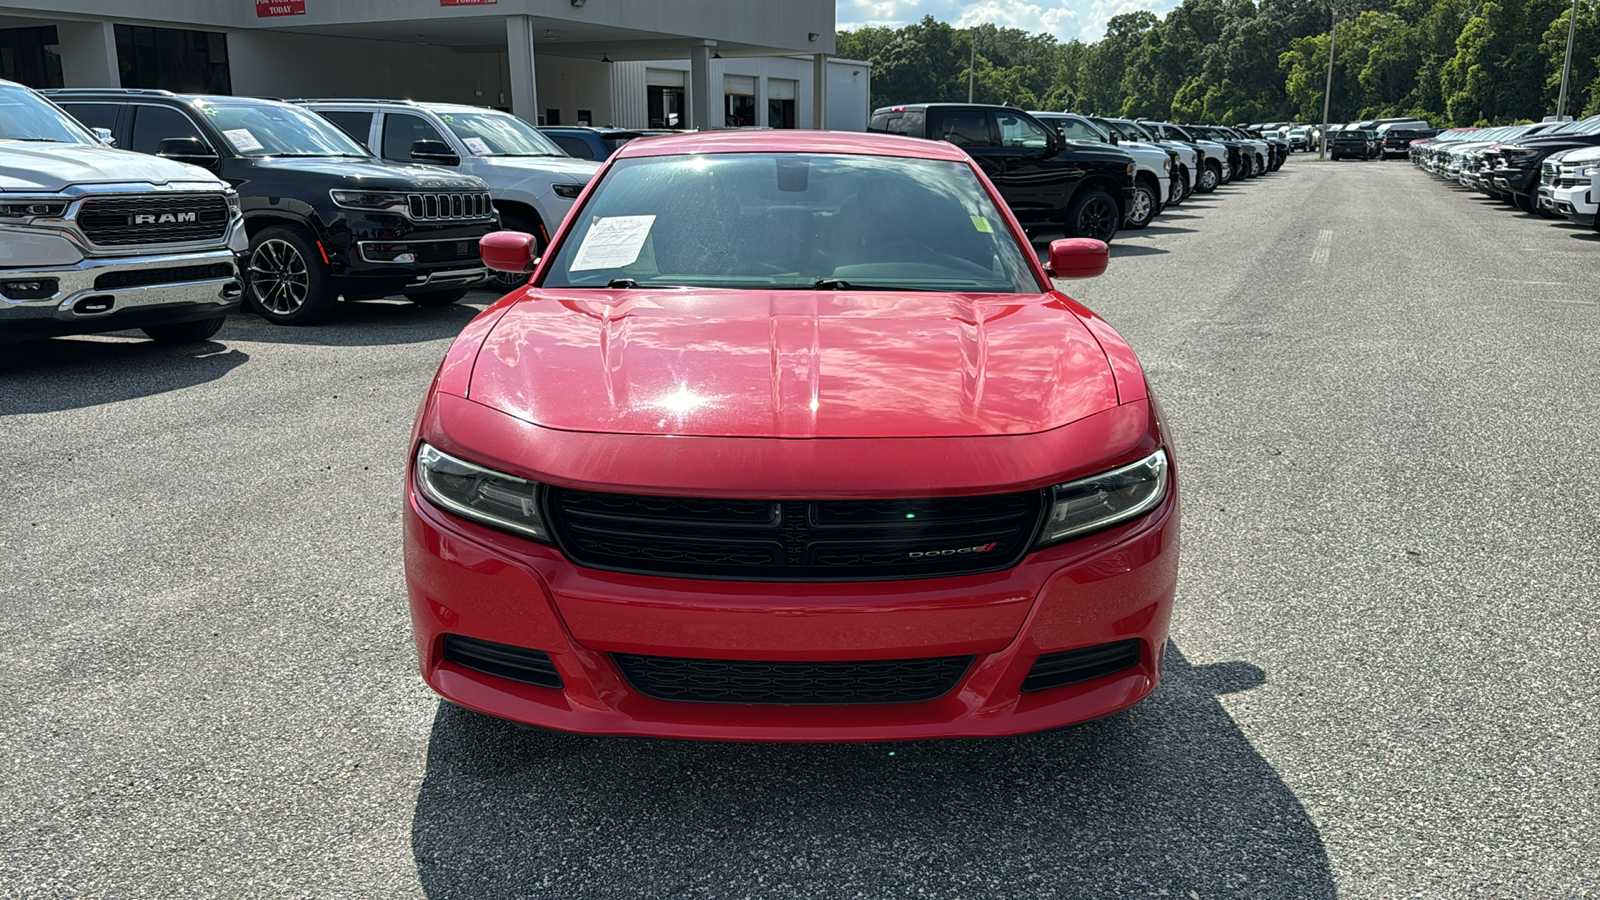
1084, 19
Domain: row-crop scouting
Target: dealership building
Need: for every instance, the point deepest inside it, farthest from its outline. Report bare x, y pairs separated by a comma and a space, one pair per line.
629, 63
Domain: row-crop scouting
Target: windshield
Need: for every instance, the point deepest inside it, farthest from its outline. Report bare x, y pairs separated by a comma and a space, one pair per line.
499, 134
25, 116
795, 221
270, 129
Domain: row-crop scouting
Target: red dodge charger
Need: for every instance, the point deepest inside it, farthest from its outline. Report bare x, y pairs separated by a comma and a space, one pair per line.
790, 438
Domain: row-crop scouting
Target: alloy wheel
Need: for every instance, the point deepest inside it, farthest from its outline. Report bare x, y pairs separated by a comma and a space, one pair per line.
1098, 219
1208, 179
279, 280
1142, 207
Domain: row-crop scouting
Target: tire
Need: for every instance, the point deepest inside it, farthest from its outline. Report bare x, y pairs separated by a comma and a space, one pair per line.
1210, 177
506, 282
1524, 202
1093, 214
184, 332
1143, 207
288, 284
437, 298
1180, 189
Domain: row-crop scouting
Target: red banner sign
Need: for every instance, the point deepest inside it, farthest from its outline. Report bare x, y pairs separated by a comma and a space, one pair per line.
466, 2
267, 9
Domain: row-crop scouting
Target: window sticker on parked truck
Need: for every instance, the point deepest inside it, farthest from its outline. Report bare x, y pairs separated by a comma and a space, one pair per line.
242, 140
982, 224
476, 145
612, 242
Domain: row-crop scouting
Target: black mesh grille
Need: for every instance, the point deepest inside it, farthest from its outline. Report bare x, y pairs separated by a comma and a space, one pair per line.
446, 251
450, 206
793, 683
1073, 666
154, 219
804, 540
173, 275
502, 660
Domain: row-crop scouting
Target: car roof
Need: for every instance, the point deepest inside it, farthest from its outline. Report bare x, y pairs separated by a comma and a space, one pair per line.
792, 141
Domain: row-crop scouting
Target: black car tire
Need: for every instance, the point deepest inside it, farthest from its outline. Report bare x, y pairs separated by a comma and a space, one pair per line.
184, 332
288, 283
506, 282
1179, 191
1524, 202
1210, 177
437, 298
1142, 207
1093, 214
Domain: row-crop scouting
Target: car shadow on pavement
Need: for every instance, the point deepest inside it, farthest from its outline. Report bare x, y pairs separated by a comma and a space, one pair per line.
1166, 799
364, 324
72, 373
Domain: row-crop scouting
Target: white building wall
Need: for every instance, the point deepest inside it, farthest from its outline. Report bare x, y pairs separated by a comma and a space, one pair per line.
276, 64
849, 85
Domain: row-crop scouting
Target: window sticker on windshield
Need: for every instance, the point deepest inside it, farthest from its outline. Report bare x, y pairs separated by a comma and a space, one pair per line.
477, 146
982, 224
612, 242
242, 140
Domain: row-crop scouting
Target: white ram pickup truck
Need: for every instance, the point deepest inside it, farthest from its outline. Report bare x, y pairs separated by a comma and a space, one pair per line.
94, 239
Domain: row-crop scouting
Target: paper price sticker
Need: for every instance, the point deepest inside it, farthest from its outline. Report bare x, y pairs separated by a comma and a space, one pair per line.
477, 145
982, 224
612, 242
242, 140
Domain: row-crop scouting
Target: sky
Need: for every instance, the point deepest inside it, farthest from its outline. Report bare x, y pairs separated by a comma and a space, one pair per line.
1081, 19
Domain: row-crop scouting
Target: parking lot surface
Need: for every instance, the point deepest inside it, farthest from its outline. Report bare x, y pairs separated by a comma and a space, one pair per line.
1382, 679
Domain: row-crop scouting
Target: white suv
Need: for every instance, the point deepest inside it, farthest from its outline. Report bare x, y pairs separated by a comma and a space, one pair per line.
533, 182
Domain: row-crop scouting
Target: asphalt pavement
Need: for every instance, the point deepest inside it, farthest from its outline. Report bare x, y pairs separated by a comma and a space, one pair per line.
1383, 678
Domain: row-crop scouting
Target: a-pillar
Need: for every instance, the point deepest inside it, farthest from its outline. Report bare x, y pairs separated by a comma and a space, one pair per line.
819, 91
88, 54
524, 85
701, 111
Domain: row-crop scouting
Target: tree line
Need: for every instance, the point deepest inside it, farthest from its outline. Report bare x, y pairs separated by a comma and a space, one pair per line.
1452, 62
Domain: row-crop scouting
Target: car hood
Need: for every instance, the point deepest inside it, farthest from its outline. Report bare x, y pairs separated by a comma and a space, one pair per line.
1577, 155
50, 167
575, 171
371, 173
792, 364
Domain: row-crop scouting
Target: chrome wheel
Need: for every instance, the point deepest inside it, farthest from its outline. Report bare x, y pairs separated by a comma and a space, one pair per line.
1142, 207
1208, 179
279, 279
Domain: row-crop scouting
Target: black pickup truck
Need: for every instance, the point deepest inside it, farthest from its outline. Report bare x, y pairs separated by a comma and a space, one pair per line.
1514, 167
1397, 141
1047, 182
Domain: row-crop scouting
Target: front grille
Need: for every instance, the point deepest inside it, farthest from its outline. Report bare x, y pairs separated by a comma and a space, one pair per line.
793, 683
425, 252
172, 275
450, 206
502, 660
154, 219
794, 540
1072, 666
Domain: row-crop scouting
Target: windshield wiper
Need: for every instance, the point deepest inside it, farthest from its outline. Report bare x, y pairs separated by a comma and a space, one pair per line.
839, 284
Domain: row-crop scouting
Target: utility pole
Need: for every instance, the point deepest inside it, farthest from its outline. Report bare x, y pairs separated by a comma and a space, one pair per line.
1566, 67
972, 59
1327, 92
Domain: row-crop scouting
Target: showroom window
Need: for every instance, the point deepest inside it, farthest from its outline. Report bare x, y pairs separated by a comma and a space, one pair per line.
31, 56
739, 101
666, 106
780, 103
193, 62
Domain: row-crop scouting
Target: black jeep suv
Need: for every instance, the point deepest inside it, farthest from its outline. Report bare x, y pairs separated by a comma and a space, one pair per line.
325, 216
1047, 182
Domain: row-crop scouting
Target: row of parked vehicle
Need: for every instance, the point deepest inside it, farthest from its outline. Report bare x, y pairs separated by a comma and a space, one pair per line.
1089, 176
280, 206
1549, 168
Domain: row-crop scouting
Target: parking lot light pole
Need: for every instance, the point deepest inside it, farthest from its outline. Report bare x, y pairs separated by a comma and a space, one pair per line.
1327, 91
972, 58
1566, 67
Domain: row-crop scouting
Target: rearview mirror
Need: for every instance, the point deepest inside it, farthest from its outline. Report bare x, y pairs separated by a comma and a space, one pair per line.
436, 153
512, 251
187, 150
104, 136
1074, 257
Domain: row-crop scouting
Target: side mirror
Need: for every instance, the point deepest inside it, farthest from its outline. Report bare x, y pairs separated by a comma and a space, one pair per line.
104, 136
511, 251
187, 150
1114, 139
1073, 257
436, 153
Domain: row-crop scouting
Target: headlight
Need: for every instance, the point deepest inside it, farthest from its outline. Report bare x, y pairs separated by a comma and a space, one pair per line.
483, 495
1166, 164
1590, 171
32, 209
382, 201
1100, 501
233, 203
567, 191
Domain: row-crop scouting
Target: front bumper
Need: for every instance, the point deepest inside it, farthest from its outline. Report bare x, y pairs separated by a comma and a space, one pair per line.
97, 295
464, 579
1576, 203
